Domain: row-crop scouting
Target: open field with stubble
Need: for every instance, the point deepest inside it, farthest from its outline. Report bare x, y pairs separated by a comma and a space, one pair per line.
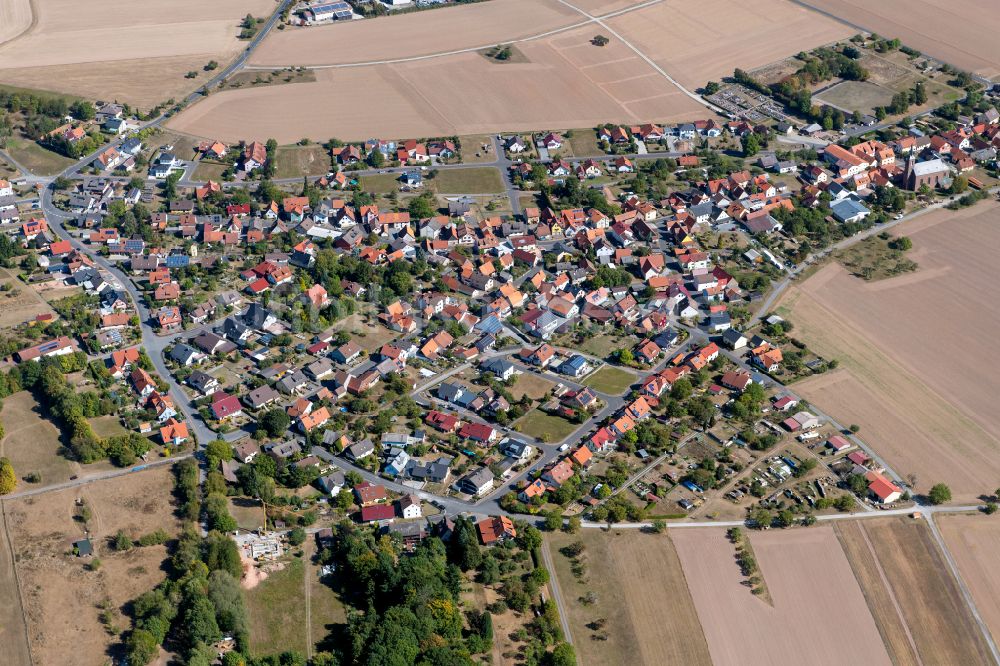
640, 591
15, 19
974, 541
962, 33
816, 601
61, 597
928, 411
694, 48
911, 592
139, 55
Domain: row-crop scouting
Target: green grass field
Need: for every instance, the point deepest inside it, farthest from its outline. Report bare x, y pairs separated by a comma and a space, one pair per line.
210, 171
612, 381
107, 426
583, 143
382, 183
277, 611
478, 180
544, 426
36, 159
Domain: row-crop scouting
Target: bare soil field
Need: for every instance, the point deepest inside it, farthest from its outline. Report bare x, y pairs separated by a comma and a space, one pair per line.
929, 413
912, 570
699, 41
974, 541
15, 18
962, 33
567, 82
414, 35
153, 46
817, 601
640, 591
61, 596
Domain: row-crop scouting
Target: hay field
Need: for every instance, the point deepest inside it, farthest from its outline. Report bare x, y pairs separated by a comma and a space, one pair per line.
158, 41
927, 409
15, 18
61, 596
32, 442
817, 601
413, 35
641, 592
974, 541
567, 82
962, 32
911, 570
705, 40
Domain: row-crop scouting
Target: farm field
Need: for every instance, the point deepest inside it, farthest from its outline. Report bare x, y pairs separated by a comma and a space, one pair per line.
970, 45
142, 53
544, 426
15, 19
682, 42
909, 568
816, 600
640, 591
973, 541
609, 380
275, 607
928, 414
32, 442
567, 82
407, 36
60, 595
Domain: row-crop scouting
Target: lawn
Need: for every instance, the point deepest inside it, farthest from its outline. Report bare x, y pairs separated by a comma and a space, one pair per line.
476, 180
36, 159
382, 183
328, 614
107, 426
531, 385
473, 144
277, 611
611, 381
32, 442
856, 96
295, 161
603, 344
545, 427
583, 143
247, 512
207, 170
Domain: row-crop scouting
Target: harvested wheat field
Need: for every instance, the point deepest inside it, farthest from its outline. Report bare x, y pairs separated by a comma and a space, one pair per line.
15, 19
61, 596
413, 35
817, 601
911, 592
927, 409
567, 82
960, 32
182, 35
974, 541
700, 41
640, 592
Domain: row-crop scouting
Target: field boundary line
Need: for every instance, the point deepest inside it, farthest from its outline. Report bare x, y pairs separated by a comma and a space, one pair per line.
9, 545
892, 593
557, 595
962, 587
